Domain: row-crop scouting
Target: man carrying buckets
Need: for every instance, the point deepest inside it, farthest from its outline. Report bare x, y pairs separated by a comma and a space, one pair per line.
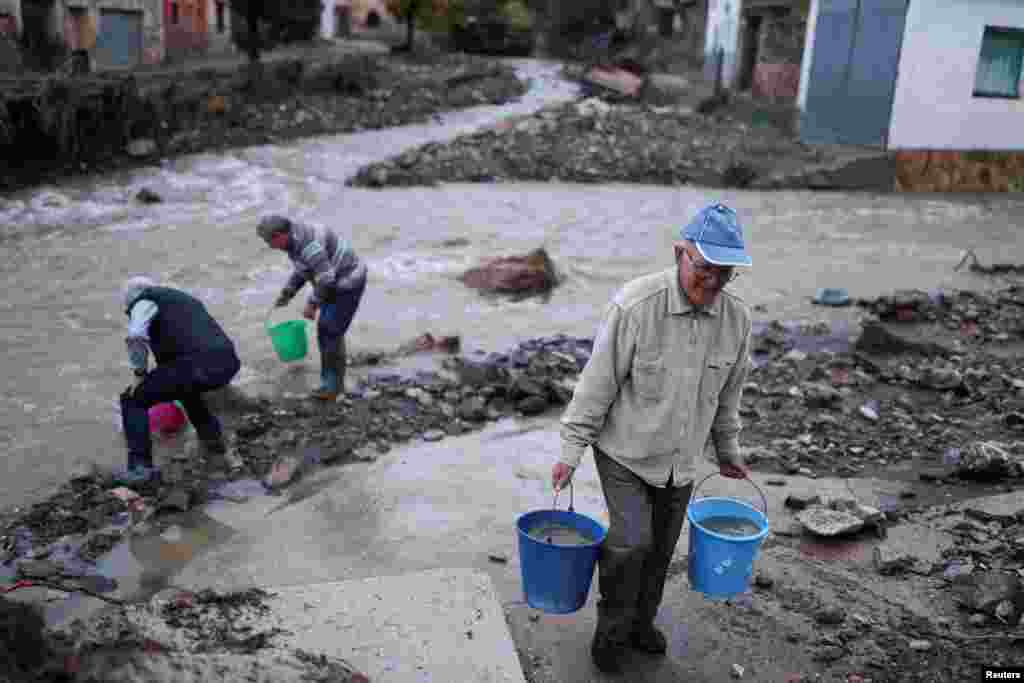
193, 356
338, 278
666, 375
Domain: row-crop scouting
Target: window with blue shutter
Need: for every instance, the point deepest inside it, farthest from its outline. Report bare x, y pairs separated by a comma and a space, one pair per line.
999, 64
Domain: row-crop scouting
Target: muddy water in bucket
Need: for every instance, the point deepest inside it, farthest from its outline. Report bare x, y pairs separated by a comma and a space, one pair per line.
727, 525
558, 535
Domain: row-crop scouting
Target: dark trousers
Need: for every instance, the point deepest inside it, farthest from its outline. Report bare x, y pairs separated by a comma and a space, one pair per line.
644, 525
185, 379
336, 316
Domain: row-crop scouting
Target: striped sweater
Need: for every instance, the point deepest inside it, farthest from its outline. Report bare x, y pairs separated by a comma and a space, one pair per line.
324, 260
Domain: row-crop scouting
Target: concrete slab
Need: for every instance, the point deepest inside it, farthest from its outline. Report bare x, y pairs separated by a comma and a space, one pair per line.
437, 626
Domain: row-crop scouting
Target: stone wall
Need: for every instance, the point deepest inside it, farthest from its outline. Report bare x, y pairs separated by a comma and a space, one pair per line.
943, 171
779, 54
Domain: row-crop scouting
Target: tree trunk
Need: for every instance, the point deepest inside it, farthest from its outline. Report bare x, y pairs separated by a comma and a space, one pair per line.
410, 25
253, 19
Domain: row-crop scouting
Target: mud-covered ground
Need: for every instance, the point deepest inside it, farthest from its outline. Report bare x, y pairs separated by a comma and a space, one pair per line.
176, 636
930, 389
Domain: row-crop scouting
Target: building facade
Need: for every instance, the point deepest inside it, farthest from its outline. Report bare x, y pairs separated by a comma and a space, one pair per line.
771, 48
914, 74
721, 41
960, 83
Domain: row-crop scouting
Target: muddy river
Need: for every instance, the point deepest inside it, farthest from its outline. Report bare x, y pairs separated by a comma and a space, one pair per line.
67, 248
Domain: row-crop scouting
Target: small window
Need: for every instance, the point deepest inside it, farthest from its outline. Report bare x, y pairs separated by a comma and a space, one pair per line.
999, 64
174, 13
220, 17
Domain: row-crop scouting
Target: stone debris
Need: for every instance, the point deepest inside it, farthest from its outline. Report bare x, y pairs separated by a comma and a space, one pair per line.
984, 591
623, 140
822, 521
839, 517
988, 460
801, 412
148, 196
532, 273
889, 561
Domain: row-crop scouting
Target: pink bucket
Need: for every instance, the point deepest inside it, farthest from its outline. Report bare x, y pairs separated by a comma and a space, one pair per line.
166, 418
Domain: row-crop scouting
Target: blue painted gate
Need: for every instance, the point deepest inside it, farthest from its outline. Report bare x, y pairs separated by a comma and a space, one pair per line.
119, 43
854, 63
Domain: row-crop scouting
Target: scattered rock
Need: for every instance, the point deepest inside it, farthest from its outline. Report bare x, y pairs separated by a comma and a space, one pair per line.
889, 561
920, 645
147, 196
987, 460
433, 435
532, 273
797, 501
176, 500
830, 616
983, 591
283, 472
143, 147
40, 569
823, 521
533, 405
737, 671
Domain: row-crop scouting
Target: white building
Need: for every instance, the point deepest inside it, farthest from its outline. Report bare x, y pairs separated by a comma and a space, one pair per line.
721, 40
917, 74
959, 83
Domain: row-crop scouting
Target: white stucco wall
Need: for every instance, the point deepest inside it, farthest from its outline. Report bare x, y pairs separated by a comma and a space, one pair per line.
723, 32
327, 19
805, 63
933, 107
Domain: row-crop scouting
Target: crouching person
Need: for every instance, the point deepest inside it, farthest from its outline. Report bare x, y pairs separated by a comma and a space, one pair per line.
193, 356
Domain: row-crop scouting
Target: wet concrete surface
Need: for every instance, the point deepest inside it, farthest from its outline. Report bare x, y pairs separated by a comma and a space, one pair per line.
454, 504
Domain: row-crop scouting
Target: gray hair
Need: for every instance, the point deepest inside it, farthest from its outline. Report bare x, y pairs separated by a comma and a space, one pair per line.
272, 225
134, 286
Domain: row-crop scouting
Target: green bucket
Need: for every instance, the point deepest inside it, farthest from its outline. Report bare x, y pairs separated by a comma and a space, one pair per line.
289, 339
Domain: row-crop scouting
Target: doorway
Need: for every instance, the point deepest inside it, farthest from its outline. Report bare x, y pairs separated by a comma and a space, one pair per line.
751, 47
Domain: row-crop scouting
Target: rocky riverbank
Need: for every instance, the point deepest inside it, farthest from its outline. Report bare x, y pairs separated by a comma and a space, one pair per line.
162, 115
660, 139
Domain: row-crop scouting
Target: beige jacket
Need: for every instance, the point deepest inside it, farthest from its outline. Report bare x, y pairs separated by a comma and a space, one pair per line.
665, 378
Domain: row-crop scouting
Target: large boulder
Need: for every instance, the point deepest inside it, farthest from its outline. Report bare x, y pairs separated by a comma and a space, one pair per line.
534, 272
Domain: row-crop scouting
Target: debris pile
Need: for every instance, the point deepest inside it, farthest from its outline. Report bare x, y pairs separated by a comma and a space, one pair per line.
593, 141
177, 636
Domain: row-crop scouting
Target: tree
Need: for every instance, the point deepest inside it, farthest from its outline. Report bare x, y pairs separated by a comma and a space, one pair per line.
282, 20
430, 13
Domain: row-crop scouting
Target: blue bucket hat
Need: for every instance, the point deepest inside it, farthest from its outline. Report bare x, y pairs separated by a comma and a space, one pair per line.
718, 236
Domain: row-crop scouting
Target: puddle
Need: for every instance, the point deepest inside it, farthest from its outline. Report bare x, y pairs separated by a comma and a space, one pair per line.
143, 563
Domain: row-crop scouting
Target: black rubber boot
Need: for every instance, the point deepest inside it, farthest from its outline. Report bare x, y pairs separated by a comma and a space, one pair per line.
607, 654
648, 639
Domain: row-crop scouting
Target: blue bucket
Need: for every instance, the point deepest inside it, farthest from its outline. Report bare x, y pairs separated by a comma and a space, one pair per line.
720, 566
557, 577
